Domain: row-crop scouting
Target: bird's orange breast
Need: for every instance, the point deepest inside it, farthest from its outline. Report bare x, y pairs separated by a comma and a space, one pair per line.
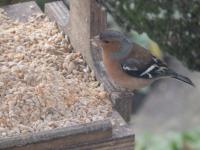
116, 73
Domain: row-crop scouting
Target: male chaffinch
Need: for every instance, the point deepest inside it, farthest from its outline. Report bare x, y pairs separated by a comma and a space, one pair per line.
130, 65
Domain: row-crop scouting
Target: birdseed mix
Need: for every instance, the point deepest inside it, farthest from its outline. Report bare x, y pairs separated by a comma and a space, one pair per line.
43, 84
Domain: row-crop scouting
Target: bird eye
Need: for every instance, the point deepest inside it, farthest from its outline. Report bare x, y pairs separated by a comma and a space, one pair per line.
106, 41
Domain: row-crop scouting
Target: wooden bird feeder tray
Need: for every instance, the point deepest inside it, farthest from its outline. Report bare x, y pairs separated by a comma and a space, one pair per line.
84, 20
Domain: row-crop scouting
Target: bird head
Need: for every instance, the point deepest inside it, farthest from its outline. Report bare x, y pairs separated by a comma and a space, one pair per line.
109, 40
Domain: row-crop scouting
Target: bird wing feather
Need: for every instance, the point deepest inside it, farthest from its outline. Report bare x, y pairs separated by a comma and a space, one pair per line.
142, 64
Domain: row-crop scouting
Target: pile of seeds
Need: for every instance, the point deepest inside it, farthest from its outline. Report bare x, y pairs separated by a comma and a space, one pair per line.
43, 84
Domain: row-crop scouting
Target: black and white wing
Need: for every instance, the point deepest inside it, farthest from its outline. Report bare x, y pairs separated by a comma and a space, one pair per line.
150, 70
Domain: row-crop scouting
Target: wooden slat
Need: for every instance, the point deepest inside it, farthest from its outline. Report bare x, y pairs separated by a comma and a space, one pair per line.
59, 138
22, 11
111, 144
71, 139
122, 139
123, 103
58, 12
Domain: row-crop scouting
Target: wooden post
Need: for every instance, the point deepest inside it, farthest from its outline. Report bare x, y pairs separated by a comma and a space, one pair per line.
88, 21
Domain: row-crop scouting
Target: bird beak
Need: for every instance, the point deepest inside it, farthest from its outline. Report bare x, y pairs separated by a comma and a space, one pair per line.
95, 41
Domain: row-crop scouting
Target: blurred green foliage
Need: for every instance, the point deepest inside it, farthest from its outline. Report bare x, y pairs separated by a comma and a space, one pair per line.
188, 140
173, 24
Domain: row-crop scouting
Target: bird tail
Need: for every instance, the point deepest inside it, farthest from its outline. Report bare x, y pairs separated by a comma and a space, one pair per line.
181, 78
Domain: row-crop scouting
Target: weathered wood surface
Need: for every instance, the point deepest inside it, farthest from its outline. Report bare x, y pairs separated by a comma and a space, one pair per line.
22, 11
123, 103
58, 12
60, 138
87, 20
